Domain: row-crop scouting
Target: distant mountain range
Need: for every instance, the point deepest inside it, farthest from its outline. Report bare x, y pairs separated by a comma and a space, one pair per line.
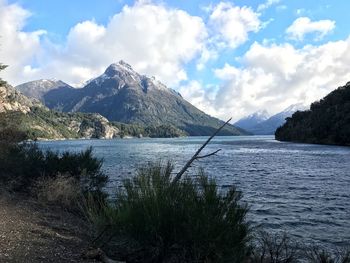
327, 121
249, 122
121, 94
260, 123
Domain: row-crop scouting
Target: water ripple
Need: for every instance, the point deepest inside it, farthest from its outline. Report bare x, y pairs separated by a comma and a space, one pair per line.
300, 188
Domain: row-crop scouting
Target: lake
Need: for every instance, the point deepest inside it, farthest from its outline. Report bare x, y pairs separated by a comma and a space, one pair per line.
303, 189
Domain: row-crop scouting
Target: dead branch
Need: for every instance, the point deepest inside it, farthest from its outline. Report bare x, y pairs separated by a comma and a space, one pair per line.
207, 155
195, 156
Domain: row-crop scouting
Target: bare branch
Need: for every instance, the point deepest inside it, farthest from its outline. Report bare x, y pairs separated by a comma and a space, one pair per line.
207, 155
195, 156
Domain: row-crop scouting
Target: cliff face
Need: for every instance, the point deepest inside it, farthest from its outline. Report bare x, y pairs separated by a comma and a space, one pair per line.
12, 100
327, 121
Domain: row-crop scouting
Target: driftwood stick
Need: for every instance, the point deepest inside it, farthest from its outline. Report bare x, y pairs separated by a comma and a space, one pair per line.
195, 156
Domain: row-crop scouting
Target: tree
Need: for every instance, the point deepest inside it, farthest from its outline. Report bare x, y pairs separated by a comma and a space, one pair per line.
2, 67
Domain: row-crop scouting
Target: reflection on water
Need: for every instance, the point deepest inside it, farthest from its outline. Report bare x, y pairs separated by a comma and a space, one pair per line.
301, 188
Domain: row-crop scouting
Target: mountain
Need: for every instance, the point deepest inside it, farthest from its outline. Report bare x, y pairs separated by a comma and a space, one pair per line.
252, 120
35, 121
121, 94
327, 121
38, 88
269, 126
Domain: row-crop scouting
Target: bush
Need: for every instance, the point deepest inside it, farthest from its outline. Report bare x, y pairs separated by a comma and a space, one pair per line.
62, 190
278, 248
189, 221
22, 164
317, 255
281, 248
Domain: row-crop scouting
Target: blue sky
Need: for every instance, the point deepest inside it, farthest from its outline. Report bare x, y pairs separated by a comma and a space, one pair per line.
229, 58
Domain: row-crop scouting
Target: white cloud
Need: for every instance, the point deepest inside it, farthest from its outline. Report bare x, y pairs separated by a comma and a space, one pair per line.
275, 76
17, 48
160, 41
267, 4
202, 97
303, 26
232, 24
154, 39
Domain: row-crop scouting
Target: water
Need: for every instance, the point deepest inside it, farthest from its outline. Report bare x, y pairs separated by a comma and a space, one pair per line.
303, 189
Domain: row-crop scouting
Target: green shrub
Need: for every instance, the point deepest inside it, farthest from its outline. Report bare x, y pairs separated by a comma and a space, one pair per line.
22, 164
190, 220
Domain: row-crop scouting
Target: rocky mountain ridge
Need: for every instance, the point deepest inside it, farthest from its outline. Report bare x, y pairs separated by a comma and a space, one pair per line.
37, 88
269, 125
123, 95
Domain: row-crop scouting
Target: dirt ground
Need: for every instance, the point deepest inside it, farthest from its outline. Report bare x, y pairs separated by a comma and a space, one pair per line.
33, 232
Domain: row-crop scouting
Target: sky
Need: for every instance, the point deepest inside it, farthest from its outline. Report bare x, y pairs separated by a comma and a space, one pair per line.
228, 58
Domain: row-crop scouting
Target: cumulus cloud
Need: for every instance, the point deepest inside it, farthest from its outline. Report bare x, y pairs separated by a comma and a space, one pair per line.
267, 4
275, 76
202, 97
155, 39
232, 24
303, 26
17, 48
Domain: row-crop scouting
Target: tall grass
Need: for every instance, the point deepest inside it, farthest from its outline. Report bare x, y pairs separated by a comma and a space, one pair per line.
189, 221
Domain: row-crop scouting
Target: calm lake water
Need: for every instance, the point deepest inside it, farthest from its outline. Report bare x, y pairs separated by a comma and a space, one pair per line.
300, 188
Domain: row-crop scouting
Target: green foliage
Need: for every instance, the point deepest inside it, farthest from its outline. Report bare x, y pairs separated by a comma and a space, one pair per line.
22, 164
327, 121
190, 220
136, 130
49, 124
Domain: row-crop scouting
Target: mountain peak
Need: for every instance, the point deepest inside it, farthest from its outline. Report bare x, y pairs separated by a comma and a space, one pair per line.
121, 66
123, 63
261, 115
295, 107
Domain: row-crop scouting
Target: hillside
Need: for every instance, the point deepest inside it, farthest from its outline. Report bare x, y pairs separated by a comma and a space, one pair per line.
327, 121
121, 94
12, 100
35, 121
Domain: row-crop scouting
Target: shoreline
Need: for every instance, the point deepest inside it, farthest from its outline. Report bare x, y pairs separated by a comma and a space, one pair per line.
35, 232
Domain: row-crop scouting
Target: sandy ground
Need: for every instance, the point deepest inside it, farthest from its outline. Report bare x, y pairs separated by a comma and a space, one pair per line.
33, 232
